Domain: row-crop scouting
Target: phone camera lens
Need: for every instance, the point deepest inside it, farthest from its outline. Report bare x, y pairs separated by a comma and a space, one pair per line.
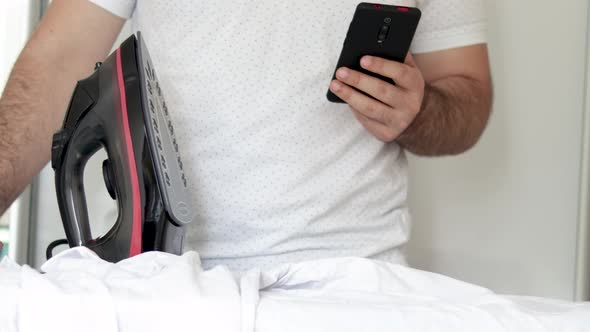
387, 20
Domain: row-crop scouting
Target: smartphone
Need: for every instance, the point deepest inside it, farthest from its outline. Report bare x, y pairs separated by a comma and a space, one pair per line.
384, 31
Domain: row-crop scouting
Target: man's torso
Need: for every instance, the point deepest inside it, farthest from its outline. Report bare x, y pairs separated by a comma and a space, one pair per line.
278, 173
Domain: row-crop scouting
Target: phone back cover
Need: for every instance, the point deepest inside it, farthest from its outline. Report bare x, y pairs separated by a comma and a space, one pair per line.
362, 37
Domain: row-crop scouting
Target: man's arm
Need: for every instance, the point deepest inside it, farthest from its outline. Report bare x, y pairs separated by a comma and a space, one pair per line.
71, 38
456, 105
439, 105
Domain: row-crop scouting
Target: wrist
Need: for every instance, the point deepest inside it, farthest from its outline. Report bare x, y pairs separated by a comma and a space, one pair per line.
407, 136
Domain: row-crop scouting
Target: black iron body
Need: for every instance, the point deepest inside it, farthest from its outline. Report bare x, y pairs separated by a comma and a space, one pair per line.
120, 108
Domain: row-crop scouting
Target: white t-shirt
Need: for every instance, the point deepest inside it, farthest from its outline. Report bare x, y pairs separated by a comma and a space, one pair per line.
277, 173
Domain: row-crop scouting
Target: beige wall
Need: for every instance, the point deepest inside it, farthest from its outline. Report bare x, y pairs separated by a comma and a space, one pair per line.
4, 220
505, 215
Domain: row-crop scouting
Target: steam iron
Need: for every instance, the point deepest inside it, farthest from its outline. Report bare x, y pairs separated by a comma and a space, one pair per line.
120, 108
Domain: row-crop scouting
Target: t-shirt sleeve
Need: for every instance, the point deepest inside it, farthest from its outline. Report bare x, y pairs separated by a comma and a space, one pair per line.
121, 8
449, 24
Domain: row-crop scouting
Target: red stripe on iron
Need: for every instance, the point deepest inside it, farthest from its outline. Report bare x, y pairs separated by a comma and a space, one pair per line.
135, 248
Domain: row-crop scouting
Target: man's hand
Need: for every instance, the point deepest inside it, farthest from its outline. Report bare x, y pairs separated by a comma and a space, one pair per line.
440, 104
393, 107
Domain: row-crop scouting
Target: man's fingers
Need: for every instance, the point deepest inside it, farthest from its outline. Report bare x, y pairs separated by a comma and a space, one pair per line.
383, 91
384, 109
379, 130
402, 74
367, 106
410, 60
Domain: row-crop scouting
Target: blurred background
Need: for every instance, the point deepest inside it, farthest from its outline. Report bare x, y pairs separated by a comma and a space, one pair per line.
511, 215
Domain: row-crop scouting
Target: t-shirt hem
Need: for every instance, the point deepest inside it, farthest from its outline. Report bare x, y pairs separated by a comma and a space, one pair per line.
121, 8
450, 38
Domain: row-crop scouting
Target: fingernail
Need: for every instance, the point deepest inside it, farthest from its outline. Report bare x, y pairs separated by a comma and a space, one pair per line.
366, 61
342, 73
336, 86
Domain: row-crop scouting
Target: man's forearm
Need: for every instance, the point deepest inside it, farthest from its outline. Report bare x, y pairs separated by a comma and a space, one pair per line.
32, 107
14, 134
454, 113
62, 50
26, 125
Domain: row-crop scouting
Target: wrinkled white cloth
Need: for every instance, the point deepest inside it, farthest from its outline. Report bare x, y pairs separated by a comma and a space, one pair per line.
163, 292
357, 294
150, 292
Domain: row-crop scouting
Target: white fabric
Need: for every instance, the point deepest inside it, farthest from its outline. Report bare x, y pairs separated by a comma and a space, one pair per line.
161, 292
278, 174
357, 294
151, 292
448, 24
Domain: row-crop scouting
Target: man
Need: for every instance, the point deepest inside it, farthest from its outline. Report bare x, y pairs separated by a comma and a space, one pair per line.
278, 174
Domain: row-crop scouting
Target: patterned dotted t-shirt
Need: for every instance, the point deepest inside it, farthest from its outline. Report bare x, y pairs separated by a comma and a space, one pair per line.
277, 173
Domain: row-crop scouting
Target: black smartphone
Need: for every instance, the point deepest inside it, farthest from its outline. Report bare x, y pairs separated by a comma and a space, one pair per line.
384, 31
